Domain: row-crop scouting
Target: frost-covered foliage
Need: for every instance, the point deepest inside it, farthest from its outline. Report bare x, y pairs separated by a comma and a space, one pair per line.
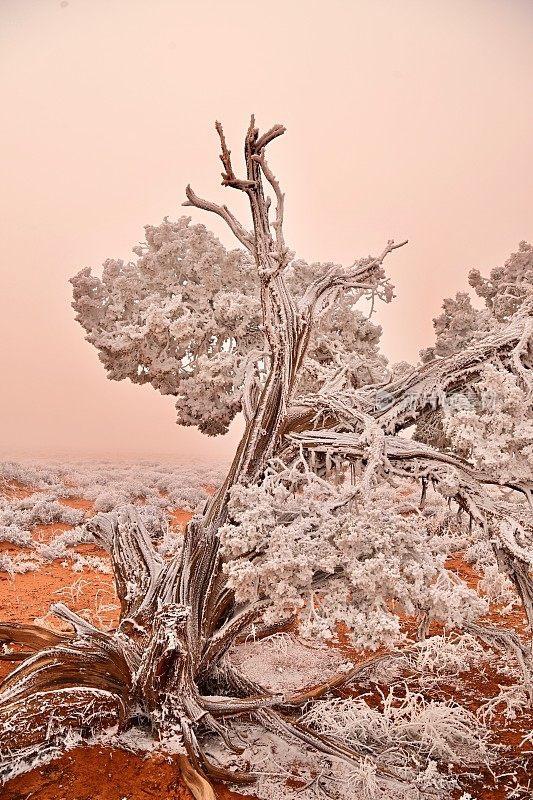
401, 743
285, 770
175, 318
318, 557
509, 702
109, 485
458, 326
496, 432
507, 288
40, 509
504, 292
185, 317
491, 421
405, 722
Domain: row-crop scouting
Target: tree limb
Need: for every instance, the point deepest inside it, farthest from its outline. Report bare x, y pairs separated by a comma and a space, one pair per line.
244, 236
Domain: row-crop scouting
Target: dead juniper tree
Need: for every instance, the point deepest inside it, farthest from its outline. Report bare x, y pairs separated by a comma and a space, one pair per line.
289, 534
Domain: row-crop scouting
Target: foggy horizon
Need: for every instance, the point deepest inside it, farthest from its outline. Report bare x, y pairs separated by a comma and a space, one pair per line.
404, 120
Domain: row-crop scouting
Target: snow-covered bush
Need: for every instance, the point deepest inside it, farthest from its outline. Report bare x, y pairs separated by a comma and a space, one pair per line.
406, 723
493, 424
496, 431
329, 566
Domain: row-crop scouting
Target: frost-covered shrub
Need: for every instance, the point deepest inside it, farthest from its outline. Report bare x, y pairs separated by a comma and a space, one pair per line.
447, 655
492, 425
38, 509
19, 563
14, 535
497, 587
496, 432
505, 291
61, 545
425, 663
510, 702
107, 501
93, 563
33, 476
156, 489
406, 722
159, 484
377, 561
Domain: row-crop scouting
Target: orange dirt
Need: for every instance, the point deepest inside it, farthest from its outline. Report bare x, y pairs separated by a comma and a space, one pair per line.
108, 773
179, 518
14, 490
104, 773
79, 503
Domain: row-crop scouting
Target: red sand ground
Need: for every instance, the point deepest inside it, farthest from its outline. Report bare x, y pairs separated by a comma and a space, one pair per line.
107, 773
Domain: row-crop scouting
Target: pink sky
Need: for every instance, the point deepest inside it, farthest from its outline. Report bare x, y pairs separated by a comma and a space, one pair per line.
406, 119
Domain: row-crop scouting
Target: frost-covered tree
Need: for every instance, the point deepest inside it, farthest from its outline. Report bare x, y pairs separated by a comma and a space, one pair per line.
490, 420
505, 291
313, 525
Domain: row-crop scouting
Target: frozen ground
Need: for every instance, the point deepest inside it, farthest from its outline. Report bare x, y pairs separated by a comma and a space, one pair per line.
442, 702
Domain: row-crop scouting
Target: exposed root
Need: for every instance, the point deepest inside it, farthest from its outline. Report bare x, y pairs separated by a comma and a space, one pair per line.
203, 765
195, 782
300, 698
510, 641
256, 634
34, 637
281, 724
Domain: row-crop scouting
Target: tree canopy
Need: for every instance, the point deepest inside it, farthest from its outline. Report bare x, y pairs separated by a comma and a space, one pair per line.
185, 317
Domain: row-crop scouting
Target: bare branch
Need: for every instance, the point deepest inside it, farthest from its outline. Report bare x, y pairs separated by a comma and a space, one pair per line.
266, 138
228, 177
244, 236
270, 258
